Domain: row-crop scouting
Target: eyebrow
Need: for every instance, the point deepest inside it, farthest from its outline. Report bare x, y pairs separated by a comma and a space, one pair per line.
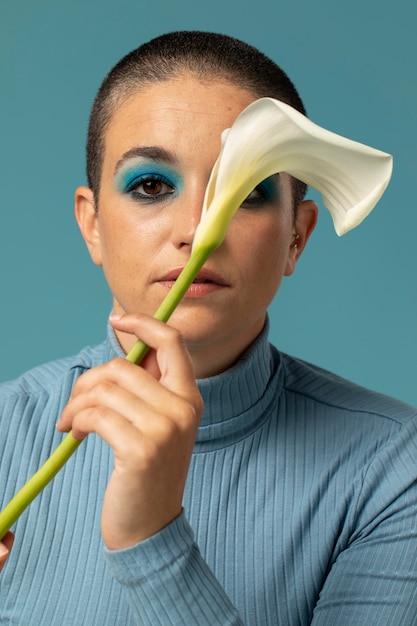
154, 153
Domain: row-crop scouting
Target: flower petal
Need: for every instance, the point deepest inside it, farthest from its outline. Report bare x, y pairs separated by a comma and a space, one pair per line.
269, 137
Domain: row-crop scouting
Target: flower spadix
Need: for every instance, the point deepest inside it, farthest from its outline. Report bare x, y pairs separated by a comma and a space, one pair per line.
269, 137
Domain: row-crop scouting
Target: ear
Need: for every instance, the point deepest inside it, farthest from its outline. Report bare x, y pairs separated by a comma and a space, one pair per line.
304, 225
87, 220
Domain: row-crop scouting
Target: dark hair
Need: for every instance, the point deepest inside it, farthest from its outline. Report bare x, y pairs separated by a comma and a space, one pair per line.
205, 55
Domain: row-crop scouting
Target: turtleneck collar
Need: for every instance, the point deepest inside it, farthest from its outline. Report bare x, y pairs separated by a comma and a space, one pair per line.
236, 401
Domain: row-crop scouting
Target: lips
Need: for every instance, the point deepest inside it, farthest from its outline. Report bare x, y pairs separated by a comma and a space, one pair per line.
204, 276
206, 282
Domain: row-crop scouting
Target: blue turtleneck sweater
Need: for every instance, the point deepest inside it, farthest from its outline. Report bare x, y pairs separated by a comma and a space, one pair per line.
300, 507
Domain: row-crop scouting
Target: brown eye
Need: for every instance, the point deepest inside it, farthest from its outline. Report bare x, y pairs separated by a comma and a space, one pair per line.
152, 187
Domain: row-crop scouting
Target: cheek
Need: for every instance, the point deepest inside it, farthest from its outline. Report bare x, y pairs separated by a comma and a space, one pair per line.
111, 242
261, 252
271, 268
266, 244
131, 242
125, 235
121, 252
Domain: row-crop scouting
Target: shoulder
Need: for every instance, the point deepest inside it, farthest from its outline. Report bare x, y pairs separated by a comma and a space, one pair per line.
44, 378
347, 429
322, 387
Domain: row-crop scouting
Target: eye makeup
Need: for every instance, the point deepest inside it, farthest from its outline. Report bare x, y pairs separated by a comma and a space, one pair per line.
160, 180
267, 192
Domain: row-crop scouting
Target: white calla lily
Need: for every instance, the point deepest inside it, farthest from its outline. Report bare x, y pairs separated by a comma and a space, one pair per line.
269, 137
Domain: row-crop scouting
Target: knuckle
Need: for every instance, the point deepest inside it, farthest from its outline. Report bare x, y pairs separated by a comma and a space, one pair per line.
175, 337
186, 415
117, 365
168, 429
100, 413
198, 404
140, 456
189, 414
89, 419
194, 406
104, 389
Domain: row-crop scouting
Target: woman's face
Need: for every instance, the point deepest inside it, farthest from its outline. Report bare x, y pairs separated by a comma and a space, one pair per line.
160, 147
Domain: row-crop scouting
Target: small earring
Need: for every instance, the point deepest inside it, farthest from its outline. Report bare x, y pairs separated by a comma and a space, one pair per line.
295, 245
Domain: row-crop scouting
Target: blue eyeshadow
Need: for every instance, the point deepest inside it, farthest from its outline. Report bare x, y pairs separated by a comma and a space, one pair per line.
270, 187
129, 174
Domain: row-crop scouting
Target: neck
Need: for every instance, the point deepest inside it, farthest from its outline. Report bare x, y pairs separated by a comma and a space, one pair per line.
211, 357
209, 360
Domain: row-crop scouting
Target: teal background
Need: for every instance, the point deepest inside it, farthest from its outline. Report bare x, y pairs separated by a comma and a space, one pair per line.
351, 306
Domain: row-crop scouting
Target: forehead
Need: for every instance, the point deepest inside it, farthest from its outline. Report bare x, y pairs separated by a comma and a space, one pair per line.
183, 115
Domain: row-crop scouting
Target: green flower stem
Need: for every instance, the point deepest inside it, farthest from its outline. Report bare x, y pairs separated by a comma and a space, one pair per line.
67, 447
34, 485
173, 298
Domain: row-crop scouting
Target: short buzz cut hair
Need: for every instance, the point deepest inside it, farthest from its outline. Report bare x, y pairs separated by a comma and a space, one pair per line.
205, 55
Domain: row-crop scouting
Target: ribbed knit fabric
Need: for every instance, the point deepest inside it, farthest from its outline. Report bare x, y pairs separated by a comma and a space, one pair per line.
300, 507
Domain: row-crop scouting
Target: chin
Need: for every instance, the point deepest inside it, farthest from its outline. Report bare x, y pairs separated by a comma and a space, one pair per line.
199, 327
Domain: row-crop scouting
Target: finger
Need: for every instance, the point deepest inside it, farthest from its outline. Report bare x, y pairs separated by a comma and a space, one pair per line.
5, 547
141, 410
118, 371
169, 350
172, 356
134, 449
127, 389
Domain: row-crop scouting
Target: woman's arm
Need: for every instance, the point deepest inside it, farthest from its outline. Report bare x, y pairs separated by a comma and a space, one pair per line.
149, 415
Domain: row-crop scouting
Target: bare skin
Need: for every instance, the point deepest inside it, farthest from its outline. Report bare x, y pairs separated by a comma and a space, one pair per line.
137, 242
149, 415
5, 547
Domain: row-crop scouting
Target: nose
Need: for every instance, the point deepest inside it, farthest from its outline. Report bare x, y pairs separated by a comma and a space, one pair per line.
186, 216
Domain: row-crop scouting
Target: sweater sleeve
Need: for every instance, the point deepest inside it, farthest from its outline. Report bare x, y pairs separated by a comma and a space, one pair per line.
373, 579
167, 581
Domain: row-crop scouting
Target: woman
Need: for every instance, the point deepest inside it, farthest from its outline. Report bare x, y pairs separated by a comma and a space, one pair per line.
266, 492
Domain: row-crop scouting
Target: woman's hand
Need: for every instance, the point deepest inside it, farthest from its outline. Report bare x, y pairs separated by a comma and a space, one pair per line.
149, 415
5, 547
